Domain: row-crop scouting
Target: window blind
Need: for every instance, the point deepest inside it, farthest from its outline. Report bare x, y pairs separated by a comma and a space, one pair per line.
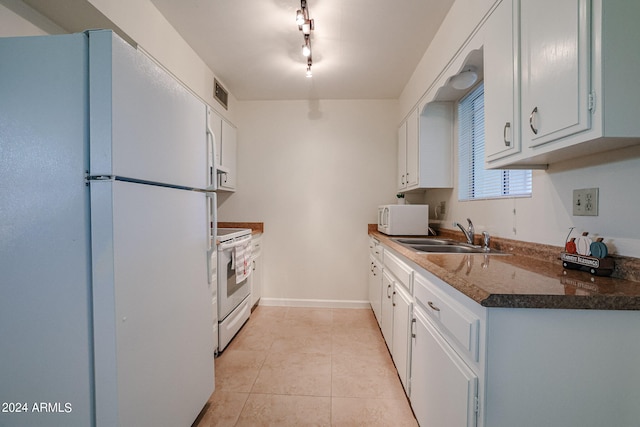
474, 181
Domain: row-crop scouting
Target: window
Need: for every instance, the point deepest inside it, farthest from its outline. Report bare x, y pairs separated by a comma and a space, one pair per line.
474, 181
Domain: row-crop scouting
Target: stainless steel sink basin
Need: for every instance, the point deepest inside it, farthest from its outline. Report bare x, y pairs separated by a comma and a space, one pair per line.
431, 241
456, 249
433, 245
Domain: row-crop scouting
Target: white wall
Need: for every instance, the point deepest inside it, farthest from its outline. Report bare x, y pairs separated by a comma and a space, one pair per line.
148, 27
314, 173
461, 22
18, 19
142, 22
547, 216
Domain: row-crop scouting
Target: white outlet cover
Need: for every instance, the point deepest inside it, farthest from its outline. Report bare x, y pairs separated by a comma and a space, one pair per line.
585, 202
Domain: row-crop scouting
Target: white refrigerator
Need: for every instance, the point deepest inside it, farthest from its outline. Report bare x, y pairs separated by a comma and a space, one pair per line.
105, 231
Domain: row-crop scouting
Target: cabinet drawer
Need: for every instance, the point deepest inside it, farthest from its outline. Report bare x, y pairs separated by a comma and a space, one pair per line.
375, 248
457, 323
399, 269
256, 245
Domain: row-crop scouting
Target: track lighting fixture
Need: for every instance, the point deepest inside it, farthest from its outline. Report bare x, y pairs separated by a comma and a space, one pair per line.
306, 25
309, 74
306, 47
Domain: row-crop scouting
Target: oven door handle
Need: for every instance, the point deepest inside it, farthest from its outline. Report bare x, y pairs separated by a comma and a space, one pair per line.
243, 242
225, 246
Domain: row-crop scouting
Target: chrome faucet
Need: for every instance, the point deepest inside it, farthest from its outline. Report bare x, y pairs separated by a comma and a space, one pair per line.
486, 240
468, 234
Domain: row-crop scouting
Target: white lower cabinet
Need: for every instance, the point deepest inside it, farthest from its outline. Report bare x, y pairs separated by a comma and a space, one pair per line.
386, 312
375, 287
471, 366
443, 388
256, 264
402, 306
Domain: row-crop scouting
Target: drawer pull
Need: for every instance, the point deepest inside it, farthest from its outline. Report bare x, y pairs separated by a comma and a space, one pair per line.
433, 306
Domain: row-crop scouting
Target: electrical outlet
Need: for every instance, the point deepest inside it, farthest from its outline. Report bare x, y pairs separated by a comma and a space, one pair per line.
585, 202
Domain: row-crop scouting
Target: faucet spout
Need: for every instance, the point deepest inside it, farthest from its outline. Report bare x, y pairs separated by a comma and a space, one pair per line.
469, 234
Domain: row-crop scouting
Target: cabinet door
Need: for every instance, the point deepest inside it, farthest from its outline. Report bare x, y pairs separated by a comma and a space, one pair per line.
386, 314
435, 123
402, 303
555, 48
402, 156
443, 387
502, 134
256, 280
413, 151
215, 125
228, 177
375, 287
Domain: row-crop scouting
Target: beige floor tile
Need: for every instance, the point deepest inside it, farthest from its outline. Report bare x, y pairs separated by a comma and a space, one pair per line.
283, 411
355, 318
223, 409
252, 338
306, 374
266, 312
307, 367
312, 342
310, 316
358, 342
365, 375
351, 412
237, 370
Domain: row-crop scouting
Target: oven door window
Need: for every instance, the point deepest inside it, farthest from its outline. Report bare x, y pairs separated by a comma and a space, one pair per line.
232, 286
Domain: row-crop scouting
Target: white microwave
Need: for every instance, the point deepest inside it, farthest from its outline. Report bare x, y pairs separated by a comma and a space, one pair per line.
403, 220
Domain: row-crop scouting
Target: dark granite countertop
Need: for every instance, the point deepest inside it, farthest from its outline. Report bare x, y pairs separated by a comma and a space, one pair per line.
519, 281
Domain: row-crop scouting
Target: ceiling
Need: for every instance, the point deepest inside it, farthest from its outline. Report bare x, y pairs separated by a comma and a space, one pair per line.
362, 49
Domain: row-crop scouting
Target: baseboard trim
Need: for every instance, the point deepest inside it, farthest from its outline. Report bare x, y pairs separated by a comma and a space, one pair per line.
316, 303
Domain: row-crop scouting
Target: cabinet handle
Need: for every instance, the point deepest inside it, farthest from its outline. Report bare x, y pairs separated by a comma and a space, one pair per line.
388, 287
534, 130
393, 298
433, 306
504, 134
413, 322
402, 180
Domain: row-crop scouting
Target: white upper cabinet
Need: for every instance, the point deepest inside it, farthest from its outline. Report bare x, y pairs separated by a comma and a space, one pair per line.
578, 93
501, 109
555, 53
402, 157
425, 147
224, 136
228, 157
413, 149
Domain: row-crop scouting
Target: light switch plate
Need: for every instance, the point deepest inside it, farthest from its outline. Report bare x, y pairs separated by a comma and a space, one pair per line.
585, 202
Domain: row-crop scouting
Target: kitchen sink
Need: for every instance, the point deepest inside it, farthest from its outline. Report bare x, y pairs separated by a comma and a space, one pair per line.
431, 241
433, 245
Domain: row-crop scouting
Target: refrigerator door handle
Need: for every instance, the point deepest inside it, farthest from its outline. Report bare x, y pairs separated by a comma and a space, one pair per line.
212, 219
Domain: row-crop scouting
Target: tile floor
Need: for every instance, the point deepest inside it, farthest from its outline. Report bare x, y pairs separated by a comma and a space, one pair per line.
307, 367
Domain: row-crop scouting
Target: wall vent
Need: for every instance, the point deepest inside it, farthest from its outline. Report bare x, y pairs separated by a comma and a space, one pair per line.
220, 93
